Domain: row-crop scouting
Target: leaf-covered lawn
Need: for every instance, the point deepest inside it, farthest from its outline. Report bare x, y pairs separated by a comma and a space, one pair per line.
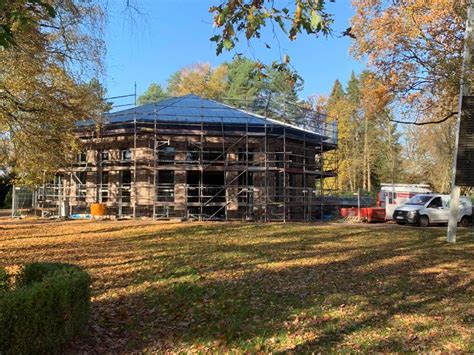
261, 287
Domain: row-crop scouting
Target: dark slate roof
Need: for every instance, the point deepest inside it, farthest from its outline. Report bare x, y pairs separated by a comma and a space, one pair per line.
194, 109
185, 109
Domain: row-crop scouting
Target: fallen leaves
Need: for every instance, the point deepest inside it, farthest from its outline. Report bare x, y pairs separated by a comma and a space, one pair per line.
229, 287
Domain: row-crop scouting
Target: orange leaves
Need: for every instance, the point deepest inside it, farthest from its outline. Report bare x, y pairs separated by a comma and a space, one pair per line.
414, 46
164, 287
374, 95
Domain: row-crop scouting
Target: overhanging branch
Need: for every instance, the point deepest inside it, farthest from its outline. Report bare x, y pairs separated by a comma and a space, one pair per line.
416, 123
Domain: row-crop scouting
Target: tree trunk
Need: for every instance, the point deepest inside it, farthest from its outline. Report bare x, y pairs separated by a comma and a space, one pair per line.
369, 183
391, 153
365, 182
351, 184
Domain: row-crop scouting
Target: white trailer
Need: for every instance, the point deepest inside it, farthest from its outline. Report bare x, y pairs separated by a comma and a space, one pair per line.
393, 195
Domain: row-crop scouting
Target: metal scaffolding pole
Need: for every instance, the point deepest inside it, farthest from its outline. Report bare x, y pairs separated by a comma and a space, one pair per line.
134, 157
304, 191
246, 182
284, 175
44, 195
224, 156
70, 192
14, 204
321, 182
201, 178
266, 172
155, 191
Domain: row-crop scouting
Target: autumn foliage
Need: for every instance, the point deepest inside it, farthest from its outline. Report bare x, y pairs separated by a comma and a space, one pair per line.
415, 47
52, 51
225, 287
199, 79
369, 149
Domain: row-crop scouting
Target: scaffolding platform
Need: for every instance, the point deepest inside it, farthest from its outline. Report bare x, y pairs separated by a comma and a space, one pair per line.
195, 158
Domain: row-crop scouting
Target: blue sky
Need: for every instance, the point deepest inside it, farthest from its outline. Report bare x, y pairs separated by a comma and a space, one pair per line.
170, 34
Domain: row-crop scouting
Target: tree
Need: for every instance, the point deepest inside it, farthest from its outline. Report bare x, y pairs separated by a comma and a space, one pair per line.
388, 161
340, 108
268, 91
429, 152
199, 79
414, 47
154, 93
368, 143
373, 106
238, 81
17, 16
353, 92
244, 82
98, 92
283, 84
42, 89
337, 93
232, 18
5, 190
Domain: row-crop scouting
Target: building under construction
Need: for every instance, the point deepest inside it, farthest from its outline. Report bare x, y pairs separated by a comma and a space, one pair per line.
194, 158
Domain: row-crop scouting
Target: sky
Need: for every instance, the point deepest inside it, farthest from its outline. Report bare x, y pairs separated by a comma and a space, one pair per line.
165, 35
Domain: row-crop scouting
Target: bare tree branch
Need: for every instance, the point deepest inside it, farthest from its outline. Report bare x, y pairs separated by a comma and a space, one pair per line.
416, 123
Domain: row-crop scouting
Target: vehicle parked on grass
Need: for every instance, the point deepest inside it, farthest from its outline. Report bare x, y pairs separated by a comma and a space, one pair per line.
426, 209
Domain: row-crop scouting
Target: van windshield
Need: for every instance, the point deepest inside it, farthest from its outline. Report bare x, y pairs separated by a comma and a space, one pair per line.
419, 200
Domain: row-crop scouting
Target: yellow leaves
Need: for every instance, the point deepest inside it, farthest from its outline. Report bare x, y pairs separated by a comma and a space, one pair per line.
412, 45
41, 95
296, 20
199, 79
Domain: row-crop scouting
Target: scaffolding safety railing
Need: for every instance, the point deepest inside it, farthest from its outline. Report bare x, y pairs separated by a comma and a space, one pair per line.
196, 158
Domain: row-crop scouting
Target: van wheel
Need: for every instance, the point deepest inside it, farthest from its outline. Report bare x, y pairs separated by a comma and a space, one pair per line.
464, 222
424, 221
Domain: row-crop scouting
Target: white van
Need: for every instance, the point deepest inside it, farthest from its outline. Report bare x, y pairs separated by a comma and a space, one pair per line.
425, 209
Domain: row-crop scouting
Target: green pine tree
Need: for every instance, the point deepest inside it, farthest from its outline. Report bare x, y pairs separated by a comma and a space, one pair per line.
337, 93
244, 84
154, 93
353, 92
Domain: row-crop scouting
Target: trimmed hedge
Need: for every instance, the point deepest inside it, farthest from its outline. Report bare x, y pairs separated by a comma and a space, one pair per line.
4, 281
49, 306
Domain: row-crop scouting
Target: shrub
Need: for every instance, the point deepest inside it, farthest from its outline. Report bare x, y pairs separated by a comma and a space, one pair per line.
4, 281
49, 306
36, 272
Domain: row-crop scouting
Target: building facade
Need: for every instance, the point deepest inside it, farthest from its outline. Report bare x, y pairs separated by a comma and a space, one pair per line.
193, 158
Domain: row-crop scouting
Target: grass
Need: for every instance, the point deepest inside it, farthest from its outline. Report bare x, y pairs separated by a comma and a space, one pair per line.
261, 287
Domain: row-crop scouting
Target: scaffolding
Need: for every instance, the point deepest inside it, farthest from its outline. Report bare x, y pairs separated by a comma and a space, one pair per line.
198, 159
